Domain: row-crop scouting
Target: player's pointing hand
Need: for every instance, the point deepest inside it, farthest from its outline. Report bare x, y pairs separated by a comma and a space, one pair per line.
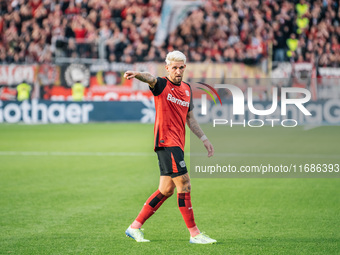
130, 74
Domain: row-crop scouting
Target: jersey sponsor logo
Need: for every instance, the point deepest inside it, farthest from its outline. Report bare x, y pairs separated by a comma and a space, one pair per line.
177, 101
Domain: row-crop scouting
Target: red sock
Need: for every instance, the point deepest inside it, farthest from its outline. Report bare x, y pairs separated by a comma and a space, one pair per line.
185, 207
150, 207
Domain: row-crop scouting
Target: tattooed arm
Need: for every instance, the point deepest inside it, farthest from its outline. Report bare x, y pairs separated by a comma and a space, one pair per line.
142, 76
196, 129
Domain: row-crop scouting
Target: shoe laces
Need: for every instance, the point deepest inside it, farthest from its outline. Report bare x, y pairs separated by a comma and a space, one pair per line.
204, 235
140, 233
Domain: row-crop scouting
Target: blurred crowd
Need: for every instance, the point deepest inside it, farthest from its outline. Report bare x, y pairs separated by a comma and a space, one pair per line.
220, 31
37, 30
248, 30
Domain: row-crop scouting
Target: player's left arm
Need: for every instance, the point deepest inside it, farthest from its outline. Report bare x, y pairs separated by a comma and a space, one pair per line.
196, 129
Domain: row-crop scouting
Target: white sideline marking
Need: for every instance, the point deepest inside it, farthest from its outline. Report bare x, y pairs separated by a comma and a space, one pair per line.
63, 153
310, 127
147, 154
282, 155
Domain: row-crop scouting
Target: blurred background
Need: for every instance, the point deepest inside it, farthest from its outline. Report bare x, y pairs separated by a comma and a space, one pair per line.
78, 50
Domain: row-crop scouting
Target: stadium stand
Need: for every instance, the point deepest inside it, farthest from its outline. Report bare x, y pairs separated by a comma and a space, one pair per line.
123, 31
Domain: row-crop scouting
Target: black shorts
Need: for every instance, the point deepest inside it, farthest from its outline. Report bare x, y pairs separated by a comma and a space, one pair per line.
171, 161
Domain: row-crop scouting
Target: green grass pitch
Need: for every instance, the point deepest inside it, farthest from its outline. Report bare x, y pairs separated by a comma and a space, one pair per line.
74, 189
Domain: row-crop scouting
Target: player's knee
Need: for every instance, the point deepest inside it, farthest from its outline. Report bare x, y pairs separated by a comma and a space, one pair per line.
184, 186
187, 187
168, 192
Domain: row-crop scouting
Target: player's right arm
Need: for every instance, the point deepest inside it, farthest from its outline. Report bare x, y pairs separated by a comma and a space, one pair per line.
142, 76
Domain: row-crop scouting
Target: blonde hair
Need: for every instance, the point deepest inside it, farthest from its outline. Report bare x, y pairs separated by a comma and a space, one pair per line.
175, 56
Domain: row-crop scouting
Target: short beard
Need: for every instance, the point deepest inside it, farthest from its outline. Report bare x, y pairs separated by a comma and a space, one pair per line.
176, 79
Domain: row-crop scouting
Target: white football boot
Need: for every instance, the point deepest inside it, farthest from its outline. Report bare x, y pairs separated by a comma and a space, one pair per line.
136, 234
202, 239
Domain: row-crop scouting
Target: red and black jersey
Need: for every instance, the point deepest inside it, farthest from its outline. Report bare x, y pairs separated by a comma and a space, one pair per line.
172, 103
